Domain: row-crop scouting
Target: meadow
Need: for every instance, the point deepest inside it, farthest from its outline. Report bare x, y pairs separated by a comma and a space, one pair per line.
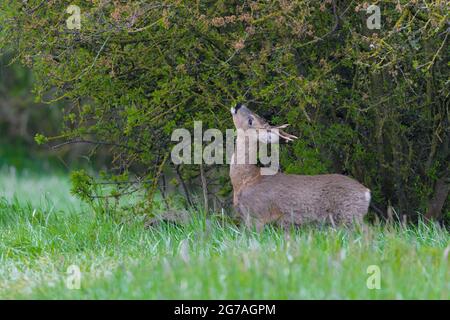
44, 230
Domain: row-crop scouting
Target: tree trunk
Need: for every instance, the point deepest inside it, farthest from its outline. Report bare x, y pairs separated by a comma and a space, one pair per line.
436, 204
163, 189
204, 188
183, 184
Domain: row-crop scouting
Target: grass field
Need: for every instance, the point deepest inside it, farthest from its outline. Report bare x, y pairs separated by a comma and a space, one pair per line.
44, 230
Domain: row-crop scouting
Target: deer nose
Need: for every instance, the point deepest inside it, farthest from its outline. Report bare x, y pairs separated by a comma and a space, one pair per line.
236, 108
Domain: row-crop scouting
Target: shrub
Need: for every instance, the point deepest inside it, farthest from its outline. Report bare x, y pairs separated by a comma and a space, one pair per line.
372, 104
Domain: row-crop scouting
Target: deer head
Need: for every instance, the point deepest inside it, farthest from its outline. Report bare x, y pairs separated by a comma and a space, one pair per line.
244, 119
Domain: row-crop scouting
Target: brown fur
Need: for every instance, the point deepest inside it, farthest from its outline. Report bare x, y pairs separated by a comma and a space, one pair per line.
293, 199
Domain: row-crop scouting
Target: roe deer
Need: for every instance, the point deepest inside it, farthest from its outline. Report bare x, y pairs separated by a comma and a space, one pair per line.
290, 199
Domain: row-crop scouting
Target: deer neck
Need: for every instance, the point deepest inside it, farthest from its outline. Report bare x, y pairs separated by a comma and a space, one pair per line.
243, 173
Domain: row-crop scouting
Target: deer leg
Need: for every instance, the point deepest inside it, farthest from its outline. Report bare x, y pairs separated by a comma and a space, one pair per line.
251, 222
255, 224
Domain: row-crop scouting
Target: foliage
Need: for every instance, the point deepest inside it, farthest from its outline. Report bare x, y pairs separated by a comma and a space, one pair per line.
82, 184
369, 103
20, 115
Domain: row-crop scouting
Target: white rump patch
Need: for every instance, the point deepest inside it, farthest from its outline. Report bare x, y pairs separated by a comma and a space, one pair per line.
367, 195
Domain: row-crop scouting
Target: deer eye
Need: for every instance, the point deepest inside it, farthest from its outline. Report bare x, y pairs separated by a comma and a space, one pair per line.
250, 121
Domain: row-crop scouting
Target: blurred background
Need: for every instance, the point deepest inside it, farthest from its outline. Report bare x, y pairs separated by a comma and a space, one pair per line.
22, 117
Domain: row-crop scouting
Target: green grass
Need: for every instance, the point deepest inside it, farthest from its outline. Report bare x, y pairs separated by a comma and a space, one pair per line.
43, 230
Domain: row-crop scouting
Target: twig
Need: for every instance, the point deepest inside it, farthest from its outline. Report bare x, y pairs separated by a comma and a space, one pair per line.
97, 143
183, 184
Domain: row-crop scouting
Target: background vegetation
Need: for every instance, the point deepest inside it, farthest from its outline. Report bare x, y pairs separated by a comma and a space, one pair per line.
372, 104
